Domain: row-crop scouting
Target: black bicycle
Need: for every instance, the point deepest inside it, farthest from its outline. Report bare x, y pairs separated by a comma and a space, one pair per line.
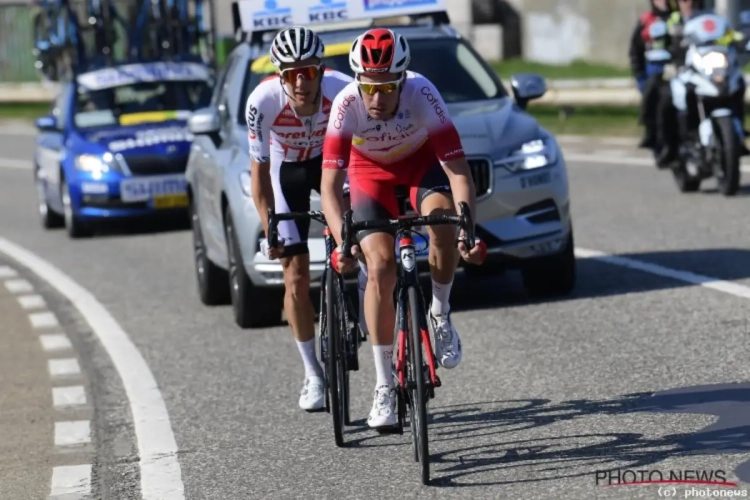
415, 369
340, 335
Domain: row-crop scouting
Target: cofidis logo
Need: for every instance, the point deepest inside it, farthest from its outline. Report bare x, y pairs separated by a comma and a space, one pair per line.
371, 5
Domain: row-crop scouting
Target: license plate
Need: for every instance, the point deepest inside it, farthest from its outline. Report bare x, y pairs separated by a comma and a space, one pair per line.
152, 188
170, 201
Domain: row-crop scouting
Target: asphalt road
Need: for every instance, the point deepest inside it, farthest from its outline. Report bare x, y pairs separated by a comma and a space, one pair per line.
635, 371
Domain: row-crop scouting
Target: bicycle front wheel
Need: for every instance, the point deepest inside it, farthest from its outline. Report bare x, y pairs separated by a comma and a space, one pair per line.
418, 390
334, 375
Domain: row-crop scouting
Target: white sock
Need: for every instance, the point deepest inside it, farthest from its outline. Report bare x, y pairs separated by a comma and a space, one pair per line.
383, 364
362, 284
441, 298
307, 350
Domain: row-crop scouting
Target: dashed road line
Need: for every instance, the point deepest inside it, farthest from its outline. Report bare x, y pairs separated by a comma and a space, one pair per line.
74, 433
71, 482
69, 396
18, 286
32, 301
160, 471
55, 342
44, 319
63, 367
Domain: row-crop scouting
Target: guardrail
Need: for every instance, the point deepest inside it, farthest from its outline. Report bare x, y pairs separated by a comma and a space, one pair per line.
618, 92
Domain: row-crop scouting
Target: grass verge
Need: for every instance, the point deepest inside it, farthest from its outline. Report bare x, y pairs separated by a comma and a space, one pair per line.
586, 120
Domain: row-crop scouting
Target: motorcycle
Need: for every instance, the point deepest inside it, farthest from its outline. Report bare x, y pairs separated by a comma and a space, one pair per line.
704, 88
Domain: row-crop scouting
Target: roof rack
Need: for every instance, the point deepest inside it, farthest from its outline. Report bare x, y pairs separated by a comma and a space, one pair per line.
257, 21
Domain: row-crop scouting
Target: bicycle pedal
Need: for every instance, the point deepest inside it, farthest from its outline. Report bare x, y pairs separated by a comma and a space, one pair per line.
438, 383
393, 429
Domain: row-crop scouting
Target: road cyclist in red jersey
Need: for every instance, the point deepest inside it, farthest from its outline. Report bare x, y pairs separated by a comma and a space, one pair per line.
391, 127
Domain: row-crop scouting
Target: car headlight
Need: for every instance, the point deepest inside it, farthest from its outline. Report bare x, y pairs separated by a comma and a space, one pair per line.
94, 164
245, 184
533, 154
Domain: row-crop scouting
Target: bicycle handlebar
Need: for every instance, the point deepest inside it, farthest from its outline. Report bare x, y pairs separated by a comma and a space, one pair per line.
463, 221
274, 219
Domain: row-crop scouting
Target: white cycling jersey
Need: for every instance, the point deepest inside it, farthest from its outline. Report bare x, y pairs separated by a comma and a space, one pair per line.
276, 133
398, 143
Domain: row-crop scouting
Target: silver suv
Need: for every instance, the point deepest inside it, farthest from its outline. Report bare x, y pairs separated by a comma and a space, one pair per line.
522, 185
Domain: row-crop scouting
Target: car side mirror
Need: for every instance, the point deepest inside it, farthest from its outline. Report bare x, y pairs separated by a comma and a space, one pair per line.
526, 87
206, 121
46, 123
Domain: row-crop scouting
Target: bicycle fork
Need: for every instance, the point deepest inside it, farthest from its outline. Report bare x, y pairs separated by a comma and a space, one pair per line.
409, 277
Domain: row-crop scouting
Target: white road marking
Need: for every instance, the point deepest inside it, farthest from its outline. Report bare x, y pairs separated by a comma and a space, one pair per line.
18, 286
73, 433
63, 397
717, 284
161, 476
7, 272
44, 319
32, 301
15, 164
72, 482
63, 367
613, 159
55, 342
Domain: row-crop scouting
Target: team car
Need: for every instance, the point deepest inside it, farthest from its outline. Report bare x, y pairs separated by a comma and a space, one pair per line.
116, 143
518, 169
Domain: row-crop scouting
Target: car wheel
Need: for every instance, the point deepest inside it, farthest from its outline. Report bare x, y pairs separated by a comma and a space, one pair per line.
213, 281
552, 276
253, 307
75, 227
48, 217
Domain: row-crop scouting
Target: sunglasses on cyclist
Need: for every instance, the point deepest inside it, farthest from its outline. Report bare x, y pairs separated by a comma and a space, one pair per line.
384, 87
290, 75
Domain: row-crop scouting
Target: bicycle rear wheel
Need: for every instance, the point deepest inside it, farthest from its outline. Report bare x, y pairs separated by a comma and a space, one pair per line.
335, 367
418, 396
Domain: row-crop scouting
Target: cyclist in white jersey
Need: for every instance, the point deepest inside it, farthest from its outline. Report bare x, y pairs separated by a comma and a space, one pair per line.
287, 116
388, 128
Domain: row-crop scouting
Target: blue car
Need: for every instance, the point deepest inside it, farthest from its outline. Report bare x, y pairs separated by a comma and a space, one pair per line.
116, 144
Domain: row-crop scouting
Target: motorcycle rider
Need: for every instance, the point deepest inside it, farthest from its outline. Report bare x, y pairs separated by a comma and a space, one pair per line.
688, 9
649, 75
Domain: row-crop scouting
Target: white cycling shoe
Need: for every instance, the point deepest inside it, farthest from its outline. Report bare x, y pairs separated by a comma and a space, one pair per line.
312, 396
383, 412
447, 342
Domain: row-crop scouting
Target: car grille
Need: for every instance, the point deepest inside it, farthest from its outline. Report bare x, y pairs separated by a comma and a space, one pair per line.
481, 171
156, 165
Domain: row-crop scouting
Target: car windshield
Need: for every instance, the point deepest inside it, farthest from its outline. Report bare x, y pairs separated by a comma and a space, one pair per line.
457, 72
117, 105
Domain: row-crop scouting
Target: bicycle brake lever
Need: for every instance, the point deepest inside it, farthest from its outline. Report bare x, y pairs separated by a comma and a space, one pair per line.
467, 225
273, 229
346, 246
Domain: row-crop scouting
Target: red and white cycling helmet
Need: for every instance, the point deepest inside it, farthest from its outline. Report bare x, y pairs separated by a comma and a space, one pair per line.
379, 50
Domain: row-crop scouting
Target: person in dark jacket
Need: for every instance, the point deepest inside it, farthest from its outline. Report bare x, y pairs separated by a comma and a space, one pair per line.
674, 125
649, 74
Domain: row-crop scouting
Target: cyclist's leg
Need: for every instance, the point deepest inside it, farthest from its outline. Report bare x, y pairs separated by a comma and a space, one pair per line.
430, 194
375, 199
292, 194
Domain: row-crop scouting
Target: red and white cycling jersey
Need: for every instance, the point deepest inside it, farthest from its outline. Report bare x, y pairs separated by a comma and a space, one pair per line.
422, 116
276, 133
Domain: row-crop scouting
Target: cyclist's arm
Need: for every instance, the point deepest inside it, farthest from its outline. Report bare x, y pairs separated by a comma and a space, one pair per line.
336, 149
446, 142
258, 137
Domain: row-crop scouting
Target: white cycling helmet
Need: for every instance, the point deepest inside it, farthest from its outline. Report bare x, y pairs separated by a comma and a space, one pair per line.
379, 50
295, 44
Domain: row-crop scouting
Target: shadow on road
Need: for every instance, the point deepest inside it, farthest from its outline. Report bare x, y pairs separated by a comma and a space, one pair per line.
600, 279
578, 455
